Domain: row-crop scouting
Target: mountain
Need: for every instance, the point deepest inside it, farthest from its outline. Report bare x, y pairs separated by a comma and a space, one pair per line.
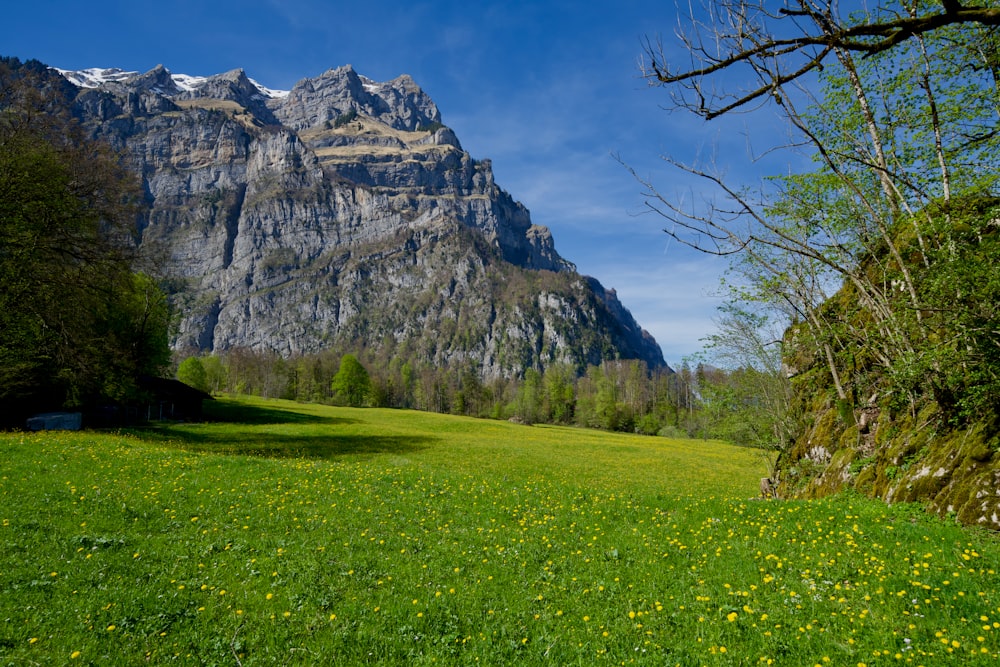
343, 213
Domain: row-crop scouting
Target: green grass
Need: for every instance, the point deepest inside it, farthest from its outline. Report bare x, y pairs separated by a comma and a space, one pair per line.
300, 534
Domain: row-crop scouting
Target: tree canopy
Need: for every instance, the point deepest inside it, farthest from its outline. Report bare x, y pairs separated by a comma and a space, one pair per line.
877, 251
78, 324
352, 383
774, 46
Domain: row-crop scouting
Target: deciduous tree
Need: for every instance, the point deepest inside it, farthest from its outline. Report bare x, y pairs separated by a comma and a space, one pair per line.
191, 371
77, 326
897, 107
352, 383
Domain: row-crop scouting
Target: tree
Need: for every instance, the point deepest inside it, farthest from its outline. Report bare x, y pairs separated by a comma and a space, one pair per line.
753, 388
897, 108
774, 48
527, 405
559, 393
77, 326
598, 403
215, 374
351, 383
192, 372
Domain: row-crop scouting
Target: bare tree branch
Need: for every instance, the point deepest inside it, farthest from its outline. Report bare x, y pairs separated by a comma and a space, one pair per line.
747, 34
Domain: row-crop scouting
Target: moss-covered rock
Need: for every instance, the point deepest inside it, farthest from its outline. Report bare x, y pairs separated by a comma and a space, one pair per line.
902, 403
953, 471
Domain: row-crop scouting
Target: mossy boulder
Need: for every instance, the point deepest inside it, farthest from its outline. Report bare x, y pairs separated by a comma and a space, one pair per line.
910, 458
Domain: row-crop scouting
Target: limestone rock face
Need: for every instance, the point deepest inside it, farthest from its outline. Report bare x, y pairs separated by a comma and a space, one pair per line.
343, 212
399, 104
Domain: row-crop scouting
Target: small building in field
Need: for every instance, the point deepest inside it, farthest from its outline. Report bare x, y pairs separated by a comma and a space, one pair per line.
165, 398
55, 421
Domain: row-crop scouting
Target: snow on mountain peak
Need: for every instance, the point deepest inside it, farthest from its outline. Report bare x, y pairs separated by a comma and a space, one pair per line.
369, 85
269, 92
187, 82
95, 77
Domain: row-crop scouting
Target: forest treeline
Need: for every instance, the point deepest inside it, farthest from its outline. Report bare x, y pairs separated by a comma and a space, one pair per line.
697, 400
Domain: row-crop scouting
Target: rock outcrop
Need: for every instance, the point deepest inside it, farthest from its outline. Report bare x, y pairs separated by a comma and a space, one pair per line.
343, 212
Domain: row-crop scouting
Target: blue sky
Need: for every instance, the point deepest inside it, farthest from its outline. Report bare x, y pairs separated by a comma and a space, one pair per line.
549, 91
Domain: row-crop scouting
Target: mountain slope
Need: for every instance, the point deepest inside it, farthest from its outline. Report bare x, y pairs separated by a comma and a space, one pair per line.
343, 212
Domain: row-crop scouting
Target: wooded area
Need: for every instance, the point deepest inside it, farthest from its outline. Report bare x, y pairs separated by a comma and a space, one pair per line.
79, 320
700, 401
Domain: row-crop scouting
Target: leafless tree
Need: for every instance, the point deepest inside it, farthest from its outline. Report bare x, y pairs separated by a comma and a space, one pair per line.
780, 46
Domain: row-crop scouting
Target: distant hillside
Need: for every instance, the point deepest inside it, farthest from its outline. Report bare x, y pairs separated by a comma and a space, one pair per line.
343, 212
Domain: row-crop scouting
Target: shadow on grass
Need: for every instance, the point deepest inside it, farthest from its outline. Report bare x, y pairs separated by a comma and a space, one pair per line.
241, 413
229, 429
292, 447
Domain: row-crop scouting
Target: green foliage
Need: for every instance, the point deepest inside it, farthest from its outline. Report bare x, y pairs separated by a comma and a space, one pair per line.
958, 361
215, 374
345, 118
632, 398
527, 405
431, 128
748, 401
559, 394
915, 320
352, 383
192, 372
881, 256
77, 326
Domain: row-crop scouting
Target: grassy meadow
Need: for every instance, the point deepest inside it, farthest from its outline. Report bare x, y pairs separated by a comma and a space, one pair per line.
301, 534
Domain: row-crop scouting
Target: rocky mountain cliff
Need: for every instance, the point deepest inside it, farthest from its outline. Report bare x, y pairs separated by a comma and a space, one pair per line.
343, 212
